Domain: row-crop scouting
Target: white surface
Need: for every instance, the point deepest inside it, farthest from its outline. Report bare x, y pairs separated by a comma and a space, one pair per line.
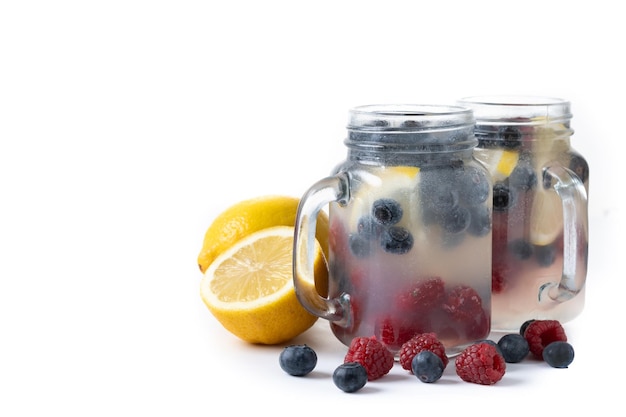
127, 126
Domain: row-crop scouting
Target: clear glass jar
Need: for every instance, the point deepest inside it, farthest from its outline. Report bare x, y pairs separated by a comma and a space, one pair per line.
410, 230
540, 226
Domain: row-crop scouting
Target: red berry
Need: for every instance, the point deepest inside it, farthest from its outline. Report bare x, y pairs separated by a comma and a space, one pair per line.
394, 331
463, 303
498, 277
420, 342
421, 296
540, 333
480, 363
369, 352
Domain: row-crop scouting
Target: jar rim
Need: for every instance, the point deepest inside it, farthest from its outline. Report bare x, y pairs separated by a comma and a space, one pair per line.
408, 117
525, 110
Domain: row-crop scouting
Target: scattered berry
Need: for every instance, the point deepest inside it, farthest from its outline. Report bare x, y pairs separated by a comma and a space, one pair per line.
350, 376
558, 354
427, 366
419, 343
297, 360
540, 333
513, 347
480, 363
492, 343
372, 354
387, 211
524, 326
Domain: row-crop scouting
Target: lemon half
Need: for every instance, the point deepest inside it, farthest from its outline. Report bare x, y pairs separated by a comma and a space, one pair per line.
249, 287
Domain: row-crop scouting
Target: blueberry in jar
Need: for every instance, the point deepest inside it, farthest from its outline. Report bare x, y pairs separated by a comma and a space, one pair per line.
523, 177
387, 211
397, 240
456, 220
480, 221
510, 136
521, 249
579, 166
474, 186
545, 254
360, 245
503, 197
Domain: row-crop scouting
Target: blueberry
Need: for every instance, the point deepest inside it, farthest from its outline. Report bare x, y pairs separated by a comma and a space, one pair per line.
397, 240
456, 220
480, 223
503, 197
510, 136
545, 255
350, 377
521, 249
558, 354
523, 177
514, 347
368, 226
427, 366
360, 245
387, 211
579, 166
524, 326
297, 360
474, 186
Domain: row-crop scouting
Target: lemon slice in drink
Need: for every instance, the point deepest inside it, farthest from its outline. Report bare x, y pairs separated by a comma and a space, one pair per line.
249, 288
499, 162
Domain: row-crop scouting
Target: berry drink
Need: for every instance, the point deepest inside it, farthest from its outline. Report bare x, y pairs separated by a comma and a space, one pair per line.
540, 189
410, 232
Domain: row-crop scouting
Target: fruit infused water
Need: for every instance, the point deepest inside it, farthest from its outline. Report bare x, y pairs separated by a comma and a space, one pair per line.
410, 230
540, 226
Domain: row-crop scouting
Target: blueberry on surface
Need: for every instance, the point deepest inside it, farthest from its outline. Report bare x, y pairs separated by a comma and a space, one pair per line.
524, 326
350, 377
397, 240
297, 360
558, 354
387, 211
456, 220
503, 197
427, 366
521, 249
514, 347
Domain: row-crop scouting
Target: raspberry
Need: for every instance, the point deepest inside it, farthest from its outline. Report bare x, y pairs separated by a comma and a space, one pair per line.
463, 303
424, 295
373, 355
480, 363
420, 342
394, 331
498, 278
540, 333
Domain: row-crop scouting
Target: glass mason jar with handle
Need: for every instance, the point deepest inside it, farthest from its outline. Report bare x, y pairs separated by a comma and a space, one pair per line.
540, 225
410, 230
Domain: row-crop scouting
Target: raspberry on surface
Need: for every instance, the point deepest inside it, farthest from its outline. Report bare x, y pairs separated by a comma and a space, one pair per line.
418, 343
480, 363
540, 333
372, 354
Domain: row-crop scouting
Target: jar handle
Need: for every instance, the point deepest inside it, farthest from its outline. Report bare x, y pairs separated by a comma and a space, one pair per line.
330, 189
573, 195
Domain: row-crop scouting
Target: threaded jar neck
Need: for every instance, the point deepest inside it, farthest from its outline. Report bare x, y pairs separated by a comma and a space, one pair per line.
518, 118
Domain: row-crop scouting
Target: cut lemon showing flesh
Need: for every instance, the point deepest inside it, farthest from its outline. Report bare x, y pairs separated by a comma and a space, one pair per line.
249, 287
249, 216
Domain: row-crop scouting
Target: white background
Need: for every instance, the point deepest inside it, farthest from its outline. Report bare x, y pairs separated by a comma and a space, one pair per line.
127, 126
